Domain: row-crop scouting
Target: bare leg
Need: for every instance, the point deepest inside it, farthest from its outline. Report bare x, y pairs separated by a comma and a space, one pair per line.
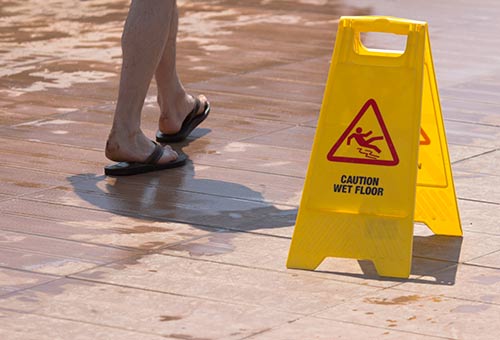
143, 43
174, 102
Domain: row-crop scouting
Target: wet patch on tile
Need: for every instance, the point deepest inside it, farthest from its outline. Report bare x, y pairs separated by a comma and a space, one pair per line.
400, 300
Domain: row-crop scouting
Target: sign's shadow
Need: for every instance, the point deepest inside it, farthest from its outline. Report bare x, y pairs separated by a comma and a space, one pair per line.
435, 261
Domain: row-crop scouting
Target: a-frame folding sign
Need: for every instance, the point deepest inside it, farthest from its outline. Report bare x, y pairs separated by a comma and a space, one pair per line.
380, 159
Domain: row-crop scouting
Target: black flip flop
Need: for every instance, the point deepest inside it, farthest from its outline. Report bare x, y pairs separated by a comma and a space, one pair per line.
192, 120
150, 164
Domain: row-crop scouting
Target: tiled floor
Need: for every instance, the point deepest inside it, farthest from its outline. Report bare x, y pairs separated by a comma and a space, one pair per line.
199, 252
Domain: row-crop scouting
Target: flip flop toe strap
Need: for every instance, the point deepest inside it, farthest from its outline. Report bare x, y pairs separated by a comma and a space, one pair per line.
155, 155
193, 112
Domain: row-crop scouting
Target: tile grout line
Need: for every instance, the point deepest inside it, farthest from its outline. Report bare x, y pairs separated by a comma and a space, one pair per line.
150, 290
478, 257
78, 321
469, 122
223, 143
476, 201
246, 139
102, 245
452, 298
480, 232
236, 94
389, 329
216, 228
481, 265
475, 156
106, 195
299, 272
135, 214
70, 276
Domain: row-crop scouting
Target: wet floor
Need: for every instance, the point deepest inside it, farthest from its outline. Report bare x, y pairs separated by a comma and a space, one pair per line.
199, 252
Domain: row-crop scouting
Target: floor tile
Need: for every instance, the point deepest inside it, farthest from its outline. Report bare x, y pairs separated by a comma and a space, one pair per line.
243, 249
313, 71
298, 138
460, 153
4, 197
21, 181
462, 109
228, 283
484, 280
203, 179
473, 134
283, 90
61, 159
486, 163
491, 260
420, 313
477, 186
454, 249
227, 128
110, 230
53, 256
258, 158
158, 204
233, 105
59, 131
266, 252
164, 314
16, 280
23, 326
325, 329
479, 217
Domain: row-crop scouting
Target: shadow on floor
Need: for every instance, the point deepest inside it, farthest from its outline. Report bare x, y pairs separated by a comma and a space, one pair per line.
215, 205
437, 267
176, 195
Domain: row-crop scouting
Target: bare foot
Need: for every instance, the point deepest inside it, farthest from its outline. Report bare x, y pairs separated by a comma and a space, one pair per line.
172, 116
124, 147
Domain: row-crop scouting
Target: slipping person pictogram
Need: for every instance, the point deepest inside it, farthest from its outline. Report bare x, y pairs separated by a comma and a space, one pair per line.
365, 142
360, 138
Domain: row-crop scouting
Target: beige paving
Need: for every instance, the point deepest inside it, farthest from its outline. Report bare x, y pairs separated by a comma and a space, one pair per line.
31, 326
324, 329
428, 314
146, 311
199, 252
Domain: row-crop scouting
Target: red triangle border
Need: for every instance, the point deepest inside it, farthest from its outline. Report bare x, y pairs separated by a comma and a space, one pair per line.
395, 159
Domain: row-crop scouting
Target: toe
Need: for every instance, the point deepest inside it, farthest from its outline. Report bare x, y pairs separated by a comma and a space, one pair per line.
169, 155
203, 102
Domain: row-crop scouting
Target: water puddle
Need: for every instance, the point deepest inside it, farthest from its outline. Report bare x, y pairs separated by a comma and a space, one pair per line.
54, 44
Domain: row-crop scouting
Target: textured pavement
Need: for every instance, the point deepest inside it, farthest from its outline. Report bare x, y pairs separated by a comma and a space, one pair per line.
199, 252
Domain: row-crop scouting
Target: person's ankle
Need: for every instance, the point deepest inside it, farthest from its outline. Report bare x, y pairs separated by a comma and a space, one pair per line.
173, 114
121, 142
112, 149
175, 104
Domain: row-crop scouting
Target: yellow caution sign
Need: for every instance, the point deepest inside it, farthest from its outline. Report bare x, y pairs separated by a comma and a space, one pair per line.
360, 195
436, 204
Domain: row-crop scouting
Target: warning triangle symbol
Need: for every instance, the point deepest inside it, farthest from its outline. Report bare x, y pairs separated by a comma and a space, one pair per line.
366, 140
